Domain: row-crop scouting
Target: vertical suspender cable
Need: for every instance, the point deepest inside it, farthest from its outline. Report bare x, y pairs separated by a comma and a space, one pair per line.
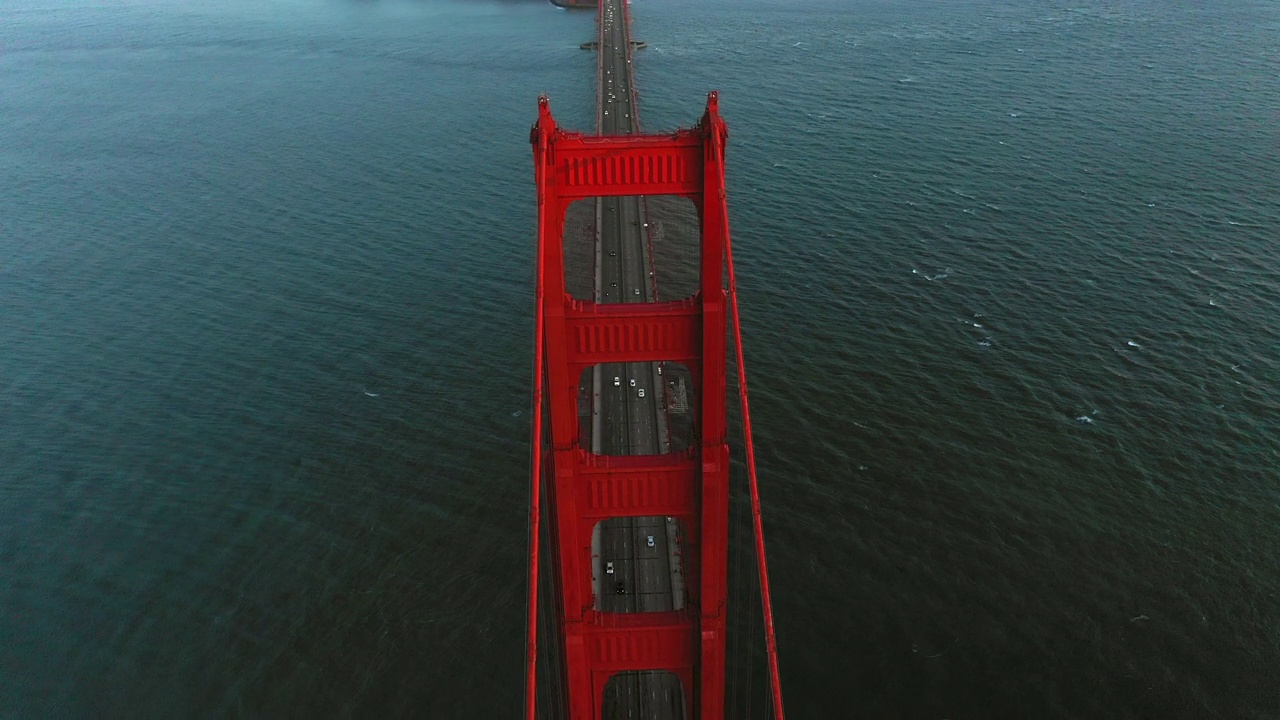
771, 645
535, 482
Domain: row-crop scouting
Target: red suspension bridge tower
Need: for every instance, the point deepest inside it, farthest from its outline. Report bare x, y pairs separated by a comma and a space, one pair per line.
583, 488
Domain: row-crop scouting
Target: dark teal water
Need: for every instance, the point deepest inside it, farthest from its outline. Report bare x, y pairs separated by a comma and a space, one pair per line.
1011, 293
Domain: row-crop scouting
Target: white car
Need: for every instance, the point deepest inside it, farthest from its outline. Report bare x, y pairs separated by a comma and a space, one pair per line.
608, 568
649, 542
633, 382
617, 381
641, 393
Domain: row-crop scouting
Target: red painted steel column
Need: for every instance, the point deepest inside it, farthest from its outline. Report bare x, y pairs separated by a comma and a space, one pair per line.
562, 396
715, 451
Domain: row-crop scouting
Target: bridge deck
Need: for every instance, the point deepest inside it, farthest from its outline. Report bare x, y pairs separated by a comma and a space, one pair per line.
644, 577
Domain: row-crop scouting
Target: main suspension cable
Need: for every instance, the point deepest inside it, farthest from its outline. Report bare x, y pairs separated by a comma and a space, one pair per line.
771, 644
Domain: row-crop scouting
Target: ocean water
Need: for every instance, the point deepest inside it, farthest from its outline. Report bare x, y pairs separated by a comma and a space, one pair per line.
1011, 302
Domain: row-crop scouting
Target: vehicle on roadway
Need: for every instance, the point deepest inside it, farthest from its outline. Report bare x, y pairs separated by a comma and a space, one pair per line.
641, 392
633, 382
617, 381
649, 542
608, 568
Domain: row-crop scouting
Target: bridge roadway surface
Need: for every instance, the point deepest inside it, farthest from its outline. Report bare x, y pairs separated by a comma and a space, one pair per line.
628, 417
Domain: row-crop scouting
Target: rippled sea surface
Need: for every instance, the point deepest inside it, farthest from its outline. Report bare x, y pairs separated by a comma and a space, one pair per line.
1011, 285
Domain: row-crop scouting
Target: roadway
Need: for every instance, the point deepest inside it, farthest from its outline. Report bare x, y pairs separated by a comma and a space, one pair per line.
637, 566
